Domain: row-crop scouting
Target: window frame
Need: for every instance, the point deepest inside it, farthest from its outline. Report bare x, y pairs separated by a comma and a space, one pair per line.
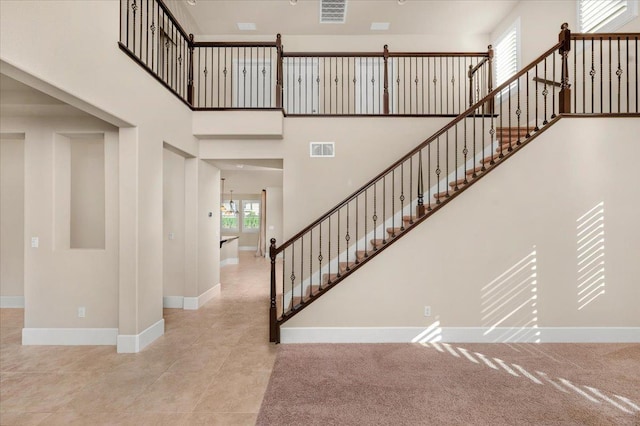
627, 16
242, 216
227, 206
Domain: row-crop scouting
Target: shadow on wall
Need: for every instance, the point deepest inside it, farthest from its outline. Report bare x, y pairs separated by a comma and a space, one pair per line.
590, 255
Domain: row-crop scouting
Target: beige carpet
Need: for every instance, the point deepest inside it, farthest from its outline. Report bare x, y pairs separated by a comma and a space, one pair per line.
456, 384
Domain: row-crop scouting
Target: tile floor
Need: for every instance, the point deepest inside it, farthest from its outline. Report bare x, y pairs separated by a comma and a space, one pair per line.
211, 367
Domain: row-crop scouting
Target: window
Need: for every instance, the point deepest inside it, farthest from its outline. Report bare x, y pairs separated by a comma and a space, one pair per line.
605, 15
229, 217
250, 215
507, 53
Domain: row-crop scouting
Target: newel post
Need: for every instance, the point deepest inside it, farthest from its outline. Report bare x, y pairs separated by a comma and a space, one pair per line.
386, 80
279, 77
190, 72
564, 97
274, 335
490, 104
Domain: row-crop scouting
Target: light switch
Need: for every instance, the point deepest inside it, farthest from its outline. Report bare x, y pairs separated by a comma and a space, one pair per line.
172, 236
35, 242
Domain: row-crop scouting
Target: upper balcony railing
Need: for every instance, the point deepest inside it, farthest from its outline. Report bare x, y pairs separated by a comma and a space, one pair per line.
261, 75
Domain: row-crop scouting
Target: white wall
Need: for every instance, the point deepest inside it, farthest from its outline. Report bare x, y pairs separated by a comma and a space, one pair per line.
11, 216
274, 215
531, 207
173, 224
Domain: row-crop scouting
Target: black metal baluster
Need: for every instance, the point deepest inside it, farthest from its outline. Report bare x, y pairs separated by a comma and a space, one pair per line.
465, 150
134, 7
292, 277
329, 253
619, 74
592, 73
336, 81
302, 269
384, 208
518, 113
627, 67
342, 79
402, 196
356, 261
584, 79
536, 128
422, 81
410, 92
347, 238
455, 188
338, 238
441, 80
146, 60
366, 219
446, 90
610, 86
601, 78
375, 214
410, 191
320, 257
284, 265
545, 92
447, 162
393, 203
575, 79
205, 76
429, 194
311, 263
420, 206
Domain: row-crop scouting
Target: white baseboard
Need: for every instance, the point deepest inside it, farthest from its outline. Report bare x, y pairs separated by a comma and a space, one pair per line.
69, 336
229, 261
248, 248
460, 334
193, 303
128, 343
173, 302
11, 301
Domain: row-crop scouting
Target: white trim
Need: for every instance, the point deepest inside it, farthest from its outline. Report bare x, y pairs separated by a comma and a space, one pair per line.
11, 301
173, 302
247, 248
194, 303
230, 261
69, 336
629, 15
459, 334
133, 343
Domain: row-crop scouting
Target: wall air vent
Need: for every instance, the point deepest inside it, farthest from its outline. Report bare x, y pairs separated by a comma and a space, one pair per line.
333, 11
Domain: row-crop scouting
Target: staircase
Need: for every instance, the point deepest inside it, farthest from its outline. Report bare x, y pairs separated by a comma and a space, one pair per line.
430, 176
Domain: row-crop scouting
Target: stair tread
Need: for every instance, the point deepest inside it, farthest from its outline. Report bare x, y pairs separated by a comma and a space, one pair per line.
490, 158
459, 182
443, 194
477, 170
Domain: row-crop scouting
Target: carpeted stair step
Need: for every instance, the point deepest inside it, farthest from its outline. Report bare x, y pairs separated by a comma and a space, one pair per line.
459, 183
327, 278
343, 266
492, 158
377, 243
394, 231
478, 170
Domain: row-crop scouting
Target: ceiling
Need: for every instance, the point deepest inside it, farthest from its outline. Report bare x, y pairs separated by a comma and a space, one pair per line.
414, 17
19, 100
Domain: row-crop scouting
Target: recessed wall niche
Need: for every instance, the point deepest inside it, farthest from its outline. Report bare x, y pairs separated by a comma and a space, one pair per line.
80, 191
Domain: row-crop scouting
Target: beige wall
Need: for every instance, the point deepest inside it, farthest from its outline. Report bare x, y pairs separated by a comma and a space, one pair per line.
532, 207
11, 216
274, 215
57, 279
87, 196
363, 148
208, 227
173, 224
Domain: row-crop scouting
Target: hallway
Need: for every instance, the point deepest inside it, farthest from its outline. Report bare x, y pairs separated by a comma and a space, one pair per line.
211, 367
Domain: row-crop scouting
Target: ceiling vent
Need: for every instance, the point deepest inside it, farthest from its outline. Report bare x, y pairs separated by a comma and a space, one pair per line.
333, 11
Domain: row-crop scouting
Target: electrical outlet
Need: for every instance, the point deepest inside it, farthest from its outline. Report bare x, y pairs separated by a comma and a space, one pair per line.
427, 311
81, 312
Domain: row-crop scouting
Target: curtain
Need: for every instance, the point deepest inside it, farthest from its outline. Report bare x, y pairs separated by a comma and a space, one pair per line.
262, 231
